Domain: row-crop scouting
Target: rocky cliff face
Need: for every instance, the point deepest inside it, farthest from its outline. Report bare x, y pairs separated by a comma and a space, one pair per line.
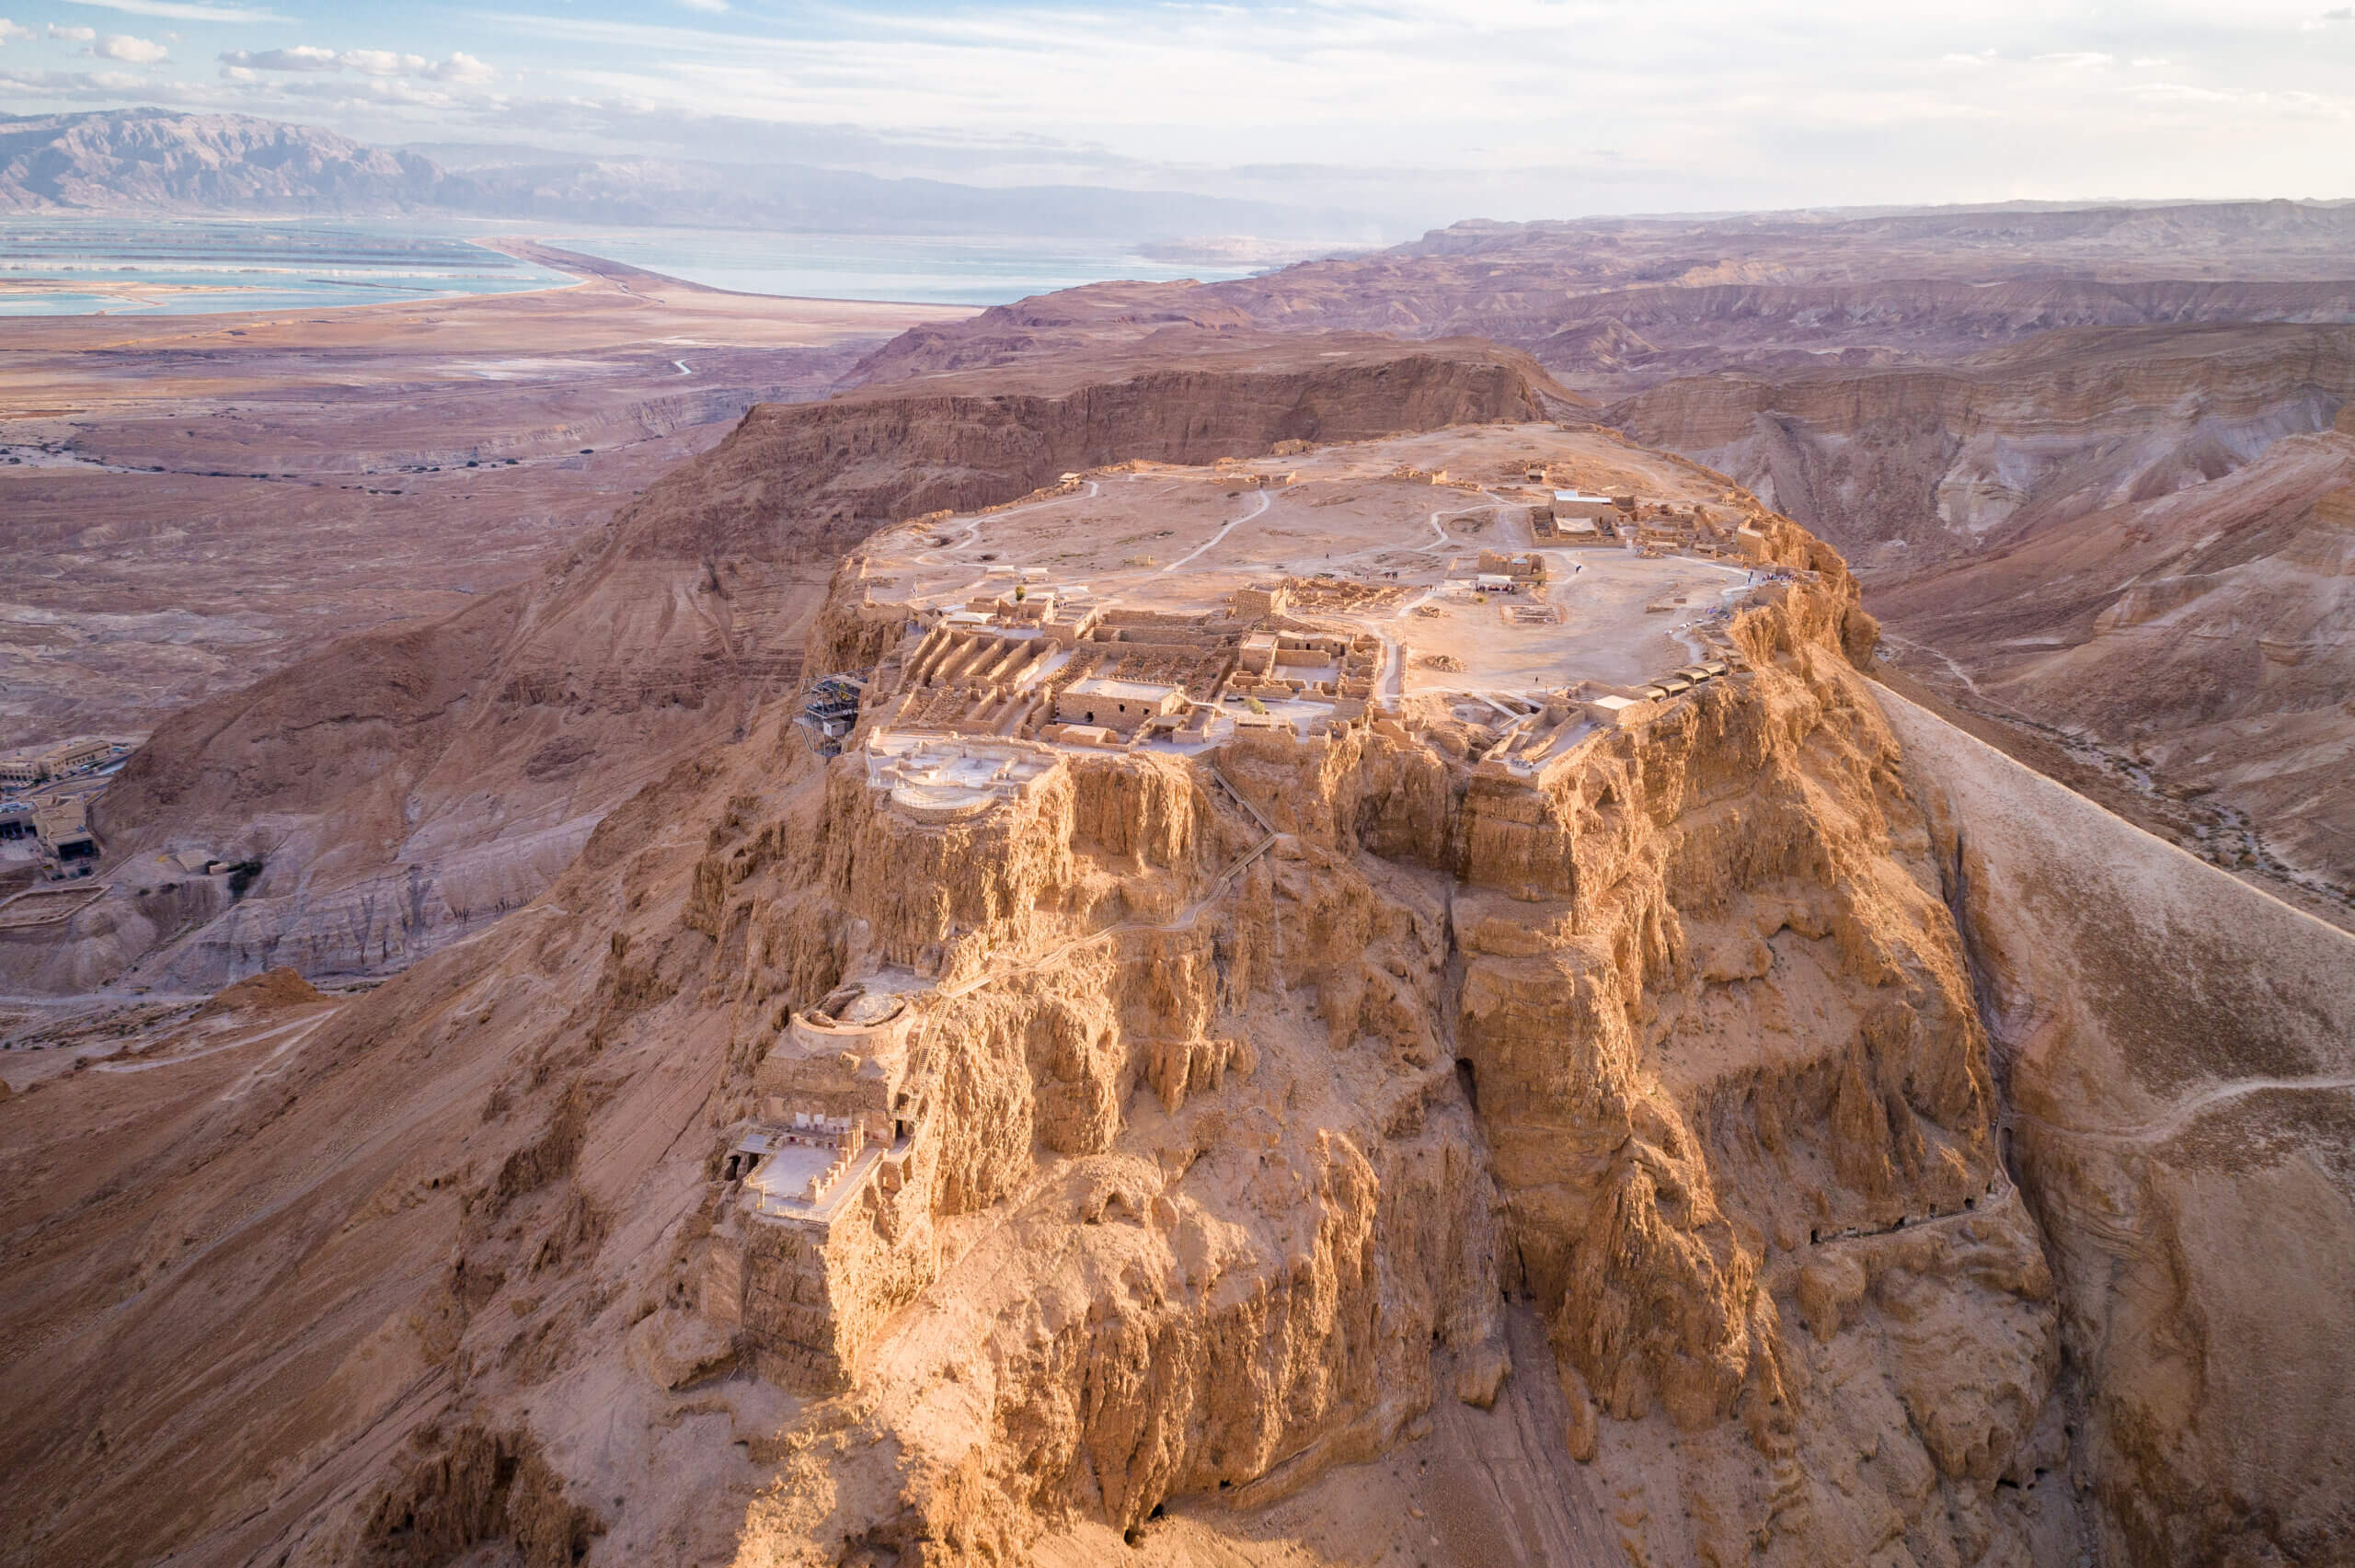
1241, 1136
2007, 443
408, 787
965, 441
1815, 1140
1819, 1139
2125, 540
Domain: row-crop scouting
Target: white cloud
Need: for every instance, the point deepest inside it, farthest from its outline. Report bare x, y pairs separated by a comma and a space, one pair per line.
187, 11
1429, 106
382, 63
2176, 92
9, 30
243, 65
86, 86
129, 50
461, 67
72, 35
301, 57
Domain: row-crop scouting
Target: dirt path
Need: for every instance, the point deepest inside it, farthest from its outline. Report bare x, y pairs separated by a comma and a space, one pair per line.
1441, 539
1959, 672
973, 529
304, 1024
2176, 1120
1266, 499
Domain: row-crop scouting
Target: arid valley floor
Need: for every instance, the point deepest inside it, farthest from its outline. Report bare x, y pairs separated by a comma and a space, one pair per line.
195, 500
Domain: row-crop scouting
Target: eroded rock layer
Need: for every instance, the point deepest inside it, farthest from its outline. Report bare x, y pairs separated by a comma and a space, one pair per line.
1176, 1131
1699, 1123
412, 786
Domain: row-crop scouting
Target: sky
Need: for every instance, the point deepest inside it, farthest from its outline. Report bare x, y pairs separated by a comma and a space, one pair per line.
1418, 112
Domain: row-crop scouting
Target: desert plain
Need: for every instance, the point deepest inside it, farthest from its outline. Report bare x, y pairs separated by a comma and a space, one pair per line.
195, 500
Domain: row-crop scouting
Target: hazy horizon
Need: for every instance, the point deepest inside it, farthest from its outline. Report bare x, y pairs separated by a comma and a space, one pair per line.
1411, 114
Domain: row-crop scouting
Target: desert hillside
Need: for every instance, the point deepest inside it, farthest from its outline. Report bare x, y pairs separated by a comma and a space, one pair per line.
412, 785
2174, 1050
197, 501
2127, 541
1512, 987
1615, 307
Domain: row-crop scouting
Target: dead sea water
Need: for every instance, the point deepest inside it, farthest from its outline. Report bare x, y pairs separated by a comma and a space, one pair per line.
73, 266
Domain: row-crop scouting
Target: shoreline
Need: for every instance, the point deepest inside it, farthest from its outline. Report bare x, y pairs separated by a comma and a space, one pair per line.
610, 301
101, 285
540, 253
583, 268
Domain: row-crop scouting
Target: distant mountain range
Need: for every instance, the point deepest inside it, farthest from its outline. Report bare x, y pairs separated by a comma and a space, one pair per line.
156, 160
148, 158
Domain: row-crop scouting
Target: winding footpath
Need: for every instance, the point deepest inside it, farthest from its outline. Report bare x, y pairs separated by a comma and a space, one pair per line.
1266, 499
973, 529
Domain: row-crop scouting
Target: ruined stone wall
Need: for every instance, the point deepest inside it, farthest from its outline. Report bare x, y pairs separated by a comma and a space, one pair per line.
806, 1301
785, 1310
